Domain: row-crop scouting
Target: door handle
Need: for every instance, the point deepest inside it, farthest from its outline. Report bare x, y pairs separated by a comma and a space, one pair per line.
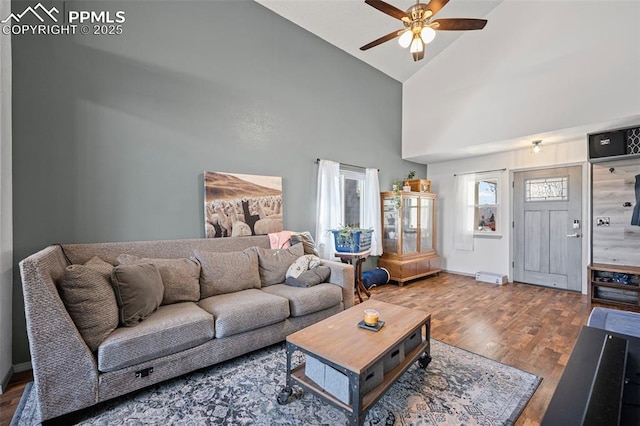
574, 235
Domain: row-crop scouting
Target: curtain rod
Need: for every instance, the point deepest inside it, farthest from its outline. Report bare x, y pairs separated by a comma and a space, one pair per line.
483, 171
345, 164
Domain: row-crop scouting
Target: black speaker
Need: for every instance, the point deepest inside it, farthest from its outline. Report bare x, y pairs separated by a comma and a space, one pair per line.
608, 144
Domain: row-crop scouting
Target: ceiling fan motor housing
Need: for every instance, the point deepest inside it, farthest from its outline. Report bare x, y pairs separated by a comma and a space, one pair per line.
419, 12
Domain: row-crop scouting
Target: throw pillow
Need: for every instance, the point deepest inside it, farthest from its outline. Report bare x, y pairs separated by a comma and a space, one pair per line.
227, 272
302, 264
274, 263
307, 241
180, 277
139, 291
88, 297
310, 278
100, 265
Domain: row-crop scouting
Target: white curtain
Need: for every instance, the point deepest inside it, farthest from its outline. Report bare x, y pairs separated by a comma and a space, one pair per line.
371, 217
329, 212
463, 189
6, 227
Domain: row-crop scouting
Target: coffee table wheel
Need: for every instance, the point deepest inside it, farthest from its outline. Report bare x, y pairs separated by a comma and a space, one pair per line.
284, 394
424, 361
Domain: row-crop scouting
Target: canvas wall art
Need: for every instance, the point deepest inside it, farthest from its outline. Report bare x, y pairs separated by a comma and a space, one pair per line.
238, 205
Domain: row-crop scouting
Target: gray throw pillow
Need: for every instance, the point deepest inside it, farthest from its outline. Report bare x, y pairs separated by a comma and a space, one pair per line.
138, 290
227, 272
274, 263
310, 278
307, 242
180, 277
88, 296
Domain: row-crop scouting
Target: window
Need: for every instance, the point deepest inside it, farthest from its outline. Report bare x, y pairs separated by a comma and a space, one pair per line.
351, 190
486, 203
547, 189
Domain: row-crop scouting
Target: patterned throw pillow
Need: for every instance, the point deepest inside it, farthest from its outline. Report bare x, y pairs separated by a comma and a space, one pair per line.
180, 277
88, 296
302, 264
307, 241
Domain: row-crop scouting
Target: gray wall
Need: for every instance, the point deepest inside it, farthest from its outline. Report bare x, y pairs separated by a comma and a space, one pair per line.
112, 133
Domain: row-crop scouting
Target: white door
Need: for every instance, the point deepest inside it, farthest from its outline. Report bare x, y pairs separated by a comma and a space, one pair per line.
548, 227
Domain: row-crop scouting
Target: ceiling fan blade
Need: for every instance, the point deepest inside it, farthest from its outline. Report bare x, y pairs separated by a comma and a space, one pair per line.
436, 5
459, 24
388, 9
382, 39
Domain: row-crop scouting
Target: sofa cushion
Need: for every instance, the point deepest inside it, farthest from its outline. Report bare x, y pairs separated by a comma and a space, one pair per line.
303, 264
170, 329
227, 272
180, 277
307, 242
88, 296
274, 263
245, 310
139, 291
310, 278
304, 301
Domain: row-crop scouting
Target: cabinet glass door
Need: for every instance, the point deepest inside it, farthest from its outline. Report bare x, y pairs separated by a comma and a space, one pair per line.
409, 225
426, 224
390, 225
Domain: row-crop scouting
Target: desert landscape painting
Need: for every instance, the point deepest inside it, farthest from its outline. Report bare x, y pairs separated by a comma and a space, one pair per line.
237, 205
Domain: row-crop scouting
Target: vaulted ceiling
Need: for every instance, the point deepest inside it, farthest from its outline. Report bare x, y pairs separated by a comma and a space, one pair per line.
350, 24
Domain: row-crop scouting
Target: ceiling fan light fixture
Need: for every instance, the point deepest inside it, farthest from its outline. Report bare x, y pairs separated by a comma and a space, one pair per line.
417, 45
427, 34
405, 39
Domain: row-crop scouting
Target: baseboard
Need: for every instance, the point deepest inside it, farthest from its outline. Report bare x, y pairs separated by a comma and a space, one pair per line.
449, 271
24, 366
5, 380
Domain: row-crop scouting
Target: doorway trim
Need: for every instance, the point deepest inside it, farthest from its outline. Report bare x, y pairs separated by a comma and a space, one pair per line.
586, 215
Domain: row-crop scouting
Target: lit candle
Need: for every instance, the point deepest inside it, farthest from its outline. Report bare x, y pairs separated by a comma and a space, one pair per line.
371, 317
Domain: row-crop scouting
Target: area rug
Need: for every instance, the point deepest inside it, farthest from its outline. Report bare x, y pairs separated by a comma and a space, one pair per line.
458, 387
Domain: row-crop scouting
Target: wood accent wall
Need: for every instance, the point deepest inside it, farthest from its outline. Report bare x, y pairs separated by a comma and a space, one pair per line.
618, 243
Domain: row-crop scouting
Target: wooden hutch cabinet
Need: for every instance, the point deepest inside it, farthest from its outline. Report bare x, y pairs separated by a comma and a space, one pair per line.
409, 235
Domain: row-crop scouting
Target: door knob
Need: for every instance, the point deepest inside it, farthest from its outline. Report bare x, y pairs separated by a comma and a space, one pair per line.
574, 235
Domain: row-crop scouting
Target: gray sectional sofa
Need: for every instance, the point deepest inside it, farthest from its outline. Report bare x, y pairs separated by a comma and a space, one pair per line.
76, 363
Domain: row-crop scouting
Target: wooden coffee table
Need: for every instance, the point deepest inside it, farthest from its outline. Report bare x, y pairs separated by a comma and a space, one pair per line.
338, 343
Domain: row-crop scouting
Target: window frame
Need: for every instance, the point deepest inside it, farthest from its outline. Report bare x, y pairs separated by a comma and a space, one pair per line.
476, 205
351, 175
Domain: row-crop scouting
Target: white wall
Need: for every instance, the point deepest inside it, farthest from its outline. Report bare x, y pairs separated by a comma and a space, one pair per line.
537, 67
492, 254
6, 232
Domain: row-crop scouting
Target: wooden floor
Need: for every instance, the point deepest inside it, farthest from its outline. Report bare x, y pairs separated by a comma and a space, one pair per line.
11, 397
530, 328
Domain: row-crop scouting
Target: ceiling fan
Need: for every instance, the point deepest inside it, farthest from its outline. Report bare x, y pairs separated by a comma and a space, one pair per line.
420, 28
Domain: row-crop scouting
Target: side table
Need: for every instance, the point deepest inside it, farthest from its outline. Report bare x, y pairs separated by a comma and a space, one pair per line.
356, 259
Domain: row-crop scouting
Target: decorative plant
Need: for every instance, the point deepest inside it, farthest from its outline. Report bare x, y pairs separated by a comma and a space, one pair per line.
410, 176
397, 186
